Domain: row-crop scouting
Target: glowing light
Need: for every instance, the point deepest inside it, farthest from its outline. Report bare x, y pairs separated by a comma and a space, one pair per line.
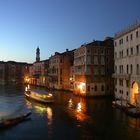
71, 79
70, 103
49, 115
50, 95
28, 86
79, 107
82, 87
26, 89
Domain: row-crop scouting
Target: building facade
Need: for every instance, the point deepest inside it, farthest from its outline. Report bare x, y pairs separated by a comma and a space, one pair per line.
60, 69
127, 64
93, 68
12, 72
38, 73
2, 73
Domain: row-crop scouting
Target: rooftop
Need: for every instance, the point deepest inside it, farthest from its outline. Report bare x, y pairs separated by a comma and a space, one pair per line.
128, 29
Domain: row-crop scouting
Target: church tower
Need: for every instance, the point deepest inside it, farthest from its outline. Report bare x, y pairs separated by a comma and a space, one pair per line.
37, 54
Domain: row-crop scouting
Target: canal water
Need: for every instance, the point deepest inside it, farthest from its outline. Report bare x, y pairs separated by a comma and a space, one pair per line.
69, 118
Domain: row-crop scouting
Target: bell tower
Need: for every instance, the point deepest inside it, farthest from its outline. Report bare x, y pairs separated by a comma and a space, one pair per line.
37, 54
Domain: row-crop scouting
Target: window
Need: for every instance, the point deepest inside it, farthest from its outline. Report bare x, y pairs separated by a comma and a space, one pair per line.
115, 43
137, 49
127, 52
115, 69
115, 81
60, 71
120, 68
102, 51
131, 51
88, 88
107, 88
126, 38
127, 83
115, 55
137, 34
137, 70
121, 82
102, 88
127, 93
120, 54
95, 88
127, 69
120, 42
131, 69
131, 36
60, 80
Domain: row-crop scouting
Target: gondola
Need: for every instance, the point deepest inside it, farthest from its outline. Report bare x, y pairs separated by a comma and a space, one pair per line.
4, 123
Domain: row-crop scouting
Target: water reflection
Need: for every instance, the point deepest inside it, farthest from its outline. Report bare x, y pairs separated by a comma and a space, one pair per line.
39, 108
49, 115
77, 109
70, 117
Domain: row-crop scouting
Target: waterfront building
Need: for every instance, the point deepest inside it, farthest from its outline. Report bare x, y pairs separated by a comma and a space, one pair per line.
12, 72
15, 72
93, 68
2, 73
127, 64
59, 70
38, 71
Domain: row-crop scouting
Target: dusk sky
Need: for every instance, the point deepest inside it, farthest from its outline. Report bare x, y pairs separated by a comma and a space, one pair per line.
55, 25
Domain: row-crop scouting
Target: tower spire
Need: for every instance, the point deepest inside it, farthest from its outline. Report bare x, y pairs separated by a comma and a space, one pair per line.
37, 54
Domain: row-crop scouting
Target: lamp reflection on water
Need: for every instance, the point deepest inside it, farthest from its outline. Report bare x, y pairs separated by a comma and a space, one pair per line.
78, 110
49, 115
29, 104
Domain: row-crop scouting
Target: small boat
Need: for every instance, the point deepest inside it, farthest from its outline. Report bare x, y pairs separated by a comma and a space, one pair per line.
4, 123
41, 98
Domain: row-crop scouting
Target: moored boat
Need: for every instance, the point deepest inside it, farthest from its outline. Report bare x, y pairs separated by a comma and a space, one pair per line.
4, 123
41, 98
